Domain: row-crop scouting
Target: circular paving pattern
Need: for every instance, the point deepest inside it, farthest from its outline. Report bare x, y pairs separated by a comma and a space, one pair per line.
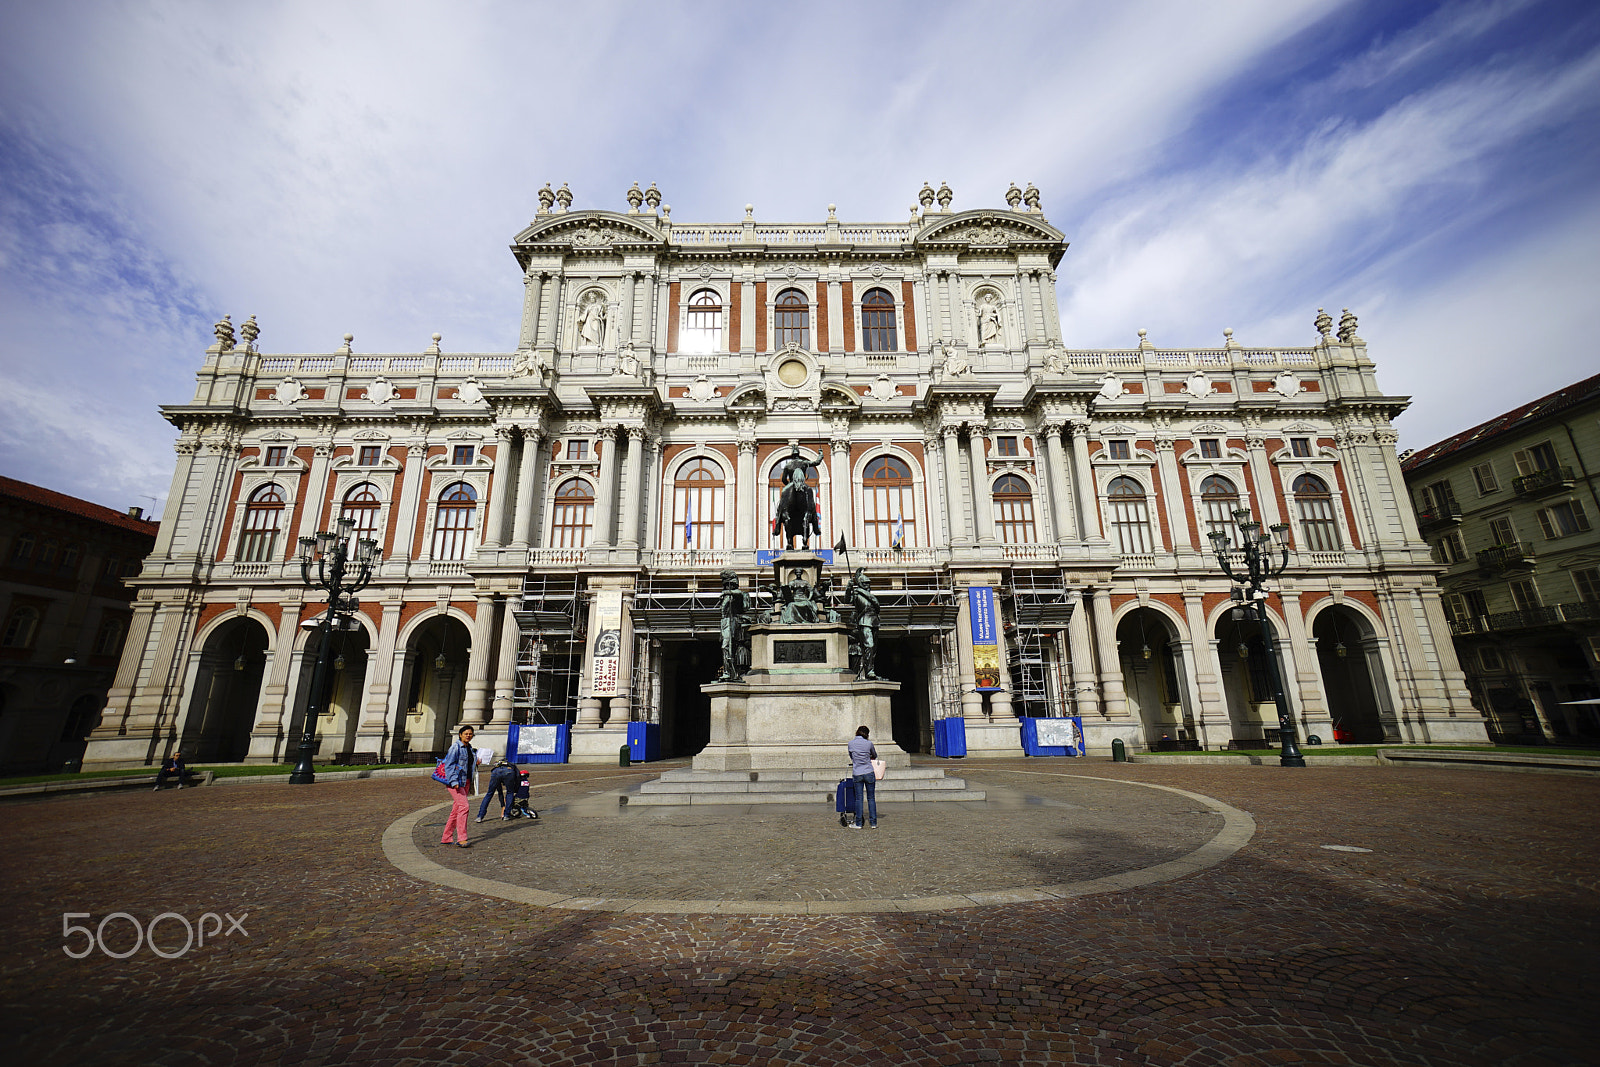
1039, 836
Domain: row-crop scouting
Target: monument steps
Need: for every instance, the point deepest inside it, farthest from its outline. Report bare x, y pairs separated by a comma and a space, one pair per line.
796, 786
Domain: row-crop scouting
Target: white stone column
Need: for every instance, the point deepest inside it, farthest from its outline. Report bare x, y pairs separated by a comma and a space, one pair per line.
982, 498
500, 489
747, 316
633, 489
624, 335
1266, 498
1061, 508
605, 505
1113, 694
373, 734
410, 500
316, 494
475, 701
839, 482
505, 682
1083, 481
532, 301
1172, 495
744, 520
527, 485
1307, 677
952, 487
1085, 684
1212, 714
971, 699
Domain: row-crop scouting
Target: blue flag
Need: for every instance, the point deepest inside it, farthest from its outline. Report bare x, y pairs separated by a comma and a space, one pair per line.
898, 532
688, 522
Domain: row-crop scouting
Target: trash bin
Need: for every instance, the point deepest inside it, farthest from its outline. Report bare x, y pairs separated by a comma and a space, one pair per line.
1119, 751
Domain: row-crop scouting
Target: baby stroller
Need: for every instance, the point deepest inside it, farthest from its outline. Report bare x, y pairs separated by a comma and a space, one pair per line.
519, 808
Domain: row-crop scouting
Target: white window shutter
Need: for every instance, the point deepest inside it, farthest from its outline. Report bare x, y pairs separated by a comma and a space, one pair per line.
1547, 524
1524, 461
1578, 515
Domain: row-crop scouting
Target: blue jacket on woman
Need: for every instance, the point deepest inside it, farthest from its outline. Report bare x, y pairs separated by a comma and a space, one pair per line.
460, 764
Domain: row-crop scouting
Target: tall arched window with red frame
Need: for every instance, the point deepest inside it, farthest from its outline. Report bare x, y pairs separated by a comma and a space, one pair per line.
263, 514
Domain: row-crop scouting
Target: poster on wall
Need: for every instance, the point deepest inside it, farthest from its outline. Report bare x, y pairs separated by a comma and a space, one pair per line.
985, 642
607, 641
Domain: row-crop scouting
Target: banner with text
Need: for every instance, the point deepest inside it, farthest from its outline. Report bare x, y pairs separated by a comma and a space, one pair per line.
607, 641
985, 641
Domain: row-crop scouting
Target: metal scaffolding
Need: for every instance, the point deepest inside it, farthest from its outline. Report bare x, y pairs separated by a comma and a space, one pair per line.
551, 621
1037, 610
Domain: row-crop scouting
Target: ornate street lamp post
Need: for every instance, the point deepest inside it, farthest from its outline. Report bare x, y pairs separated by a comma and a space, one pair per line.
1255, 553
342, 573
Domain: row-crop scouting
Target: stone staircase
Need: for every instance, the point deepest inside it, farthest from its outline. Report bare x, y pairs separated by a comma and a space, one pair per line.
902, 785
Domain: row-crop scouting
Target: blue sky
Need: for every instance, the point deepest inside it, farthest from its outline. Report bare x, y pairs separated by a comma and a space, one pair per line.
361, 168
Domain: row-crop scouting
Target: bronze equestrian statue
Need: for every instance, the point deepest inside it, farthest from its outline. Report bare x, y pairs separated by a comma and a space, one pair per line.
797, 514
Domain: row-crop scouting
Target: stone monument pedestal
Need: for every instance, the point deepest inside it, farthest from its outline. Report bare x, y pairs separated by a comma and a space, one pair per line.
798, 706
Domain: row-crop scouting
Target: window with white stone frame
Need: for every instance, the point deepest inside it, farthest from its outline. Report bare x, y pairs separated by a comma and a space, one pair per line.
1563, 519
455, 523
1483, 477
877, 322
1587, 582
363, 505
263, 515
1129, 516
1013, 511
887, 512
702, 324
573, 514
699, 506
1319, 529
1219, 499
792, 319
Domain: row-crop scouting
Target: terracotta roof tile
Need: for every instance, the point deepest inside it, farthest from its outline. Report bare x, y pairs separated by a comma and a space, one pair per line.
49, 498
1560, 400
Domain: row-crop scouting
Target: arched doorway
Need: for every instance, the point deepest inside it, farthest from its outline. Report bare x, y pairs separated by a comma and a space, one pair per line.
1152, 672
1247, 678
346, 682
1352, 675
227, 689
434, 684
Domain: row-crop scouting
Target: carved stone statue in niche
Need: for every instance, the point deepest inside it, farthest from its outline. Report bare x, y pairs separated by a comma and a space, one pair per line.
592, 321
988, 320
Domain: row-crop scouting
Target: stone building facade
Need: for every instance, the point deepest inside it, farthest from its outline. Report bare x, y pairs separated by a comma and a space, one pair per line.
586, 489
64, 612
1510, 507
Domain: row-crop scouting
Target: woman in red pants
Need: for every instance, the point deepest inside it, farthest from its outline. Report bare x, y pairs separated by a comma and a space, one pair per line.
460, 765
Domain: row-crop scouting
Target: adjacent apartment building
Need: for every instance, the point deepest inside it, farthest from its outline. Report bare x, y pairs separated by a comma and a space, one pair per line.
65, 606
586, 489
1510, 507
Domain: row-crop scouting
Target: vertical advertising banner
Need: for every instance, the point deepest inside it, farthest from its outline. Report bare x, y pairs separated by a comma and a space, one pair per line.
985, 641
607, 641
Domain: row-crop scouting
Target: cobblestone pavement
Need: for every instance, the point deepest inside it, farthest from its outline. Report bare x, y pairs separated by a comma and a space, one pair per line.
1465, 936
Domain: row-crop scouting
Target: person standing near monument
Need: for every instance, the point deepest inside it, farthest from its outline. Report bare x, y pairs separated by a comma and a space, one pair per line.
862, 753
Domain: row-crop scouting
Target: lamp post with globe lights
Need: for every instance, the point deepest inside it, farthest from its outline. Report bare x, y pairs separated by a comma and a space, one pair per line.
1251, 565
344, 567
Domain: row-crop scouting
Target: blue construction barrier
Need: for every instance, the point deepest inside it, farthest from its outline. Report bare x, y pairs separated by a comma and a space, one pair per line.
538, 743
644, 741
1052, 737
950, 737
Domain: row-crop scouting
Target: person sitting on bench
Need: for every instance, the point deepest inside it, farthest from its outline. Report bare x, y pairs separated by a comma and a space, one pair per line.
174, 768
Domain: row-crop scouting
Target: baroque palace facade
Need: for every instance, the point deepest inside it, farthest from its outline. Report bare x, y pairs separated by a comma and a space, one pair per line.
586, 490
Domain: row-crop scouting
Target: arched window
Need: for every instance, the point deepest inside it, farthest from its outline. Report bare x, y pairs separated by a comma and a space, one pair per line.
698, 506
1013, 510
22, 549
362, 505
1130, 517
1317, 525
888, 516
1218, 501
263, 513
877, 322
702, 323
793, 319
574, 514
108, 638
20, 628
453, 525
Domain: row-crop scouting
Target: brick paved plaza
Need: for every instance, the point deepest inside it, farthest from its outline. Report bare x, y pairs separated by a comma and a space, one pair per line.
1078, 916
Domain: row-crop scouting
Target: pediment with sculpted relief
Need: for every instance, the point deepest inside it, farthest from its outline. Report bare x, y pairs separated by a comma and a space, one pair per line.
993, 229
587, 231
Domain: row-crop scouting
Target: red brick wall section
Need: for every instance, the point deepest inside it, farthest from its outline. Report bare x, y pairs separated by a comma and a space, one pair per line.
849, 316
911, 320
674, 290
760, 312
1349, 509
735, 314
227, 515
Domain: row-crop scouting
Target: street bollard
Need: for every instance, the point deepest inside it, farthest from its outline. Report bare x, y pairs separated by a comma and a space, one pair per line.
623, 758
1119, 751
